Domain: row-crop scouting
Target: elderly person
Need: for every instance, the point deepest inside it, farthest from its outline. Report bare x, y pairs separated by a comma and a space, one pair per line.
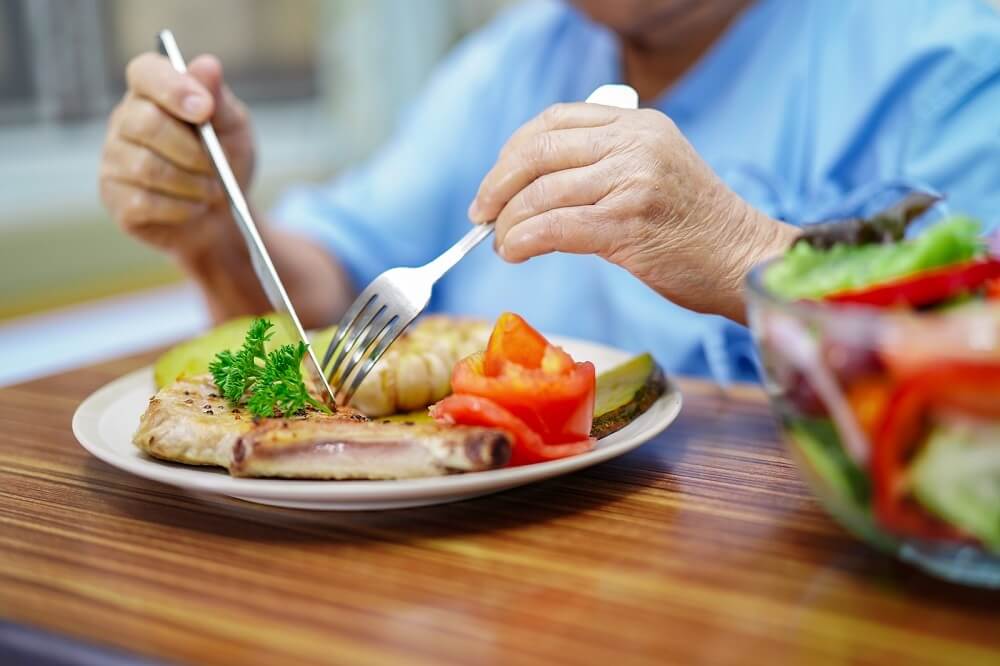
635, 228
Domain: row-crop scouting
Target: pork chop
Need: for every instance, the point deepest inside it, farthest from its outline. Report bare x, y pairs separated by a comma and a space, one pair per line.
188, 422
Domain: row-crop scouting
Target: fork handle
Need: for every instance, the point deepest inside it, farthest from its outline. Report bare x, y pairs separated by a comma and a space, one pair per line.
454, 254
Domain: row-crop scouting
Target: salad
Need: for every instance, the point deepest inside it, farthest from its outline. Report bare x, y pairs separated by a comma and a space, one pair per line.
883, 353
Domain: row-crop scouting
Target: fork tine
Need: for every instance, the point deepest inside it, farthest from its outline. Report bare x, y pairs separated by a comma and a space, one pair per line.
391, 332
358, 342
354, 336
357, 307
367, 338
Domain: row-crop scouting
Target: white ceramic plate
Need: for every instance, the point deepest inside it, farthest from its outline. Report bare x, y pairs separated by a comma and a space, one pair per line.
105, 421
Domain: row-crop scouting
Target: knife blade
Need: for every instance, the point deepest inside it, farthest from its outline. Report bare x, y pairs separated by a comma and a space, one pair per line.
259, 256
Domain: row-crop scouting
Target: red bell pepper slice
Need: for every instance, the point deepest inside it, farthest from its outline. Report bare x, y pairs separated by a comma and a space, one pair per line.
925, 288
524, 384
993, 289
972, 388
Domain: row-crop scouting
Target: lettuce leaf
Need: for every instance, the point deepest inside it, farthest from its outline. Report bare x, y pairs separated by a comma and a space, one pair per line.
807, 272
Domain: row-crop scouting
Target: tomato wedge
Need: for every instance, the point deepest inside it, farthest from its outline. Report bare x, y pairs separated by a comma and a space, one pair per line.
925, 288
528, 445
973, 388
514, 341
521, 383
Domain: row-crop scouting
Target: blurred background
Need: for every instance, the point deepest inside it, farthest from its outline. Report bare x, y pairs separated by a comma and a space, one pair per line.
324, 88
326, 80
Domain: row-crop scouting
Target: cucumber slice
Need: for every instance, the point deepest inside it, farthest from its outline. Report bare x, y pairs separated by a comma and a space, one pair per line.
841, 486
625, 392
956, 476
818, 442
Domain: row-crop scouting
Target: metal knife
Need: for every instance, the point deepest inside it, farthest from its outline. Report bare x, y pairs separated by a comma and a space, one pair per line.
259, 257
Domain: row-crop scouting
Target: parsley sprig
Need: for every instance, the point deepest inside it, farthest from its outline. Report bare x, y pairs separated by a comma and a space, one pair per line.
267, 383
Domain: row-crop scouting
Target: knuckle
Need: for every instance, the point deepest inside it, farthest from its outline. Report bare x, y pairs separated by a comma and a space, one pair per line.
135, 208
138, 66
656, 117
540, 149
133, 69
537, 194
513, 144
554, 230
140, 167
152, 168
115, 117
487, 198
147, 119
555, 113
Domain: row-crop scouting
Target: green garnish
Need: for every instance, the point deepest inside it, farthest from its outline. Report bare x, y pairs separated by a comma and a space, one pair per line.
808, 272
268, 384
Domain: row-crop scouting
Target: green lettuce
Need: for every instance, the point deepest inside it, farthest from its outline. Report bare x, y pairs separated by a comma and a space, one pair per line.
807, 272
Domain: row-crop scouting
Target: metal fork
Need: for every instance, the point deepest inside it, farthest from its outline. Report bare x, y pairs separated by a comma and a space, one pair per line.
396, 297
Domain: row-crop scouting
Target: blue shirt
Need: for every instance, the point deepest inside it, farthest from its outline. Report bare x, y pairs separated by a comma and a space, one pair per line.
808, 110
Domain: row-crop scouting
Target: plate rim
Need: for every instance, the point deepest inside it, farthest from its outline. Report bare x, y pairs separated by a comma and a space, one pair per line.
87, 420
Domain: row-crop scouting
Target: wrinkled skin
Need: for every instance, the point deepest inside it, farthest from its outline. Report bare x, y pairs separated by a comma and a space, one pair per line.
159, 186
156, 178
627, 186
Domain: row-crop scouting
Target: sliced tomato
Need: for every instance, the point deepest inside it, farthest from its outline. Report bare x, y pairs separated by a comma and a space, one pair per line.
925, 288
528, 444
972, 388
558, 406
531, 386
514, 341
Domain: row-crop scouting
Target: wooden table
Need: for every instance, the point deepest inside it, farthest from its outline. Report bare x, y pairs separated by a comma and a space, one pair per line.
700, 547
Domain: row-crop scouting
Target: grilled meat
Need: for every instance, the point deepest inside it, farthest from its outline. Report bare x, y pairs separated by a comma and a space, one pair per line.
188, 422
306, 448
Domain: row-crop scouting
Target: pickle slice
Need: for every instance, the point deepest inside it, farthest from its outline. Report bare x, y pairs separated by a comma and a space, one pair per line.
625, 392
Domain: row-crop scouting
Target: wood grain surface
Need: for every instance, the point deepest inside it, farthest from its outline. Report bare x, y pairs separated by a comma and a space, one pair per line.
700, 547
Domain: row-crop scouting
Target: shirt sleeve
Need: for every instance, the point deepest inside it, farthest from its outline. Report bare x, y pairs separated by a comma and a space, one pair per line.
955, 141
940, 133
392, 210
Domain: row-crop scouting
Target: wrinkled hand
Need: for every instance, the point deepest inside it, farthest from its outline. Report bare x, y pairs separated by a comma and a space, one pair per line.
155, 176
627, 186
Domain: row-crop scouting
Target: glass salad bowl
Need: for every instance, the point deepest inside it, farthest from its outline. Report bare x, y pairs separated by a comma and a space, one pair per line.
893, 416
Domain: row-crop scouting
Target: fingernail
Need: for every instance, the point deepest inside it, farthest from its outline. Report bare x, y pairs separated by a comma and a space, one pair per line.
194, 105
474, 213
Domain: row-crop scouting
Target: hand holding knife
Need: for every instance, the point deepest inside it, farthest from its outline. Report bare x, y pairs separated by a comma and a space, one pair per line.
259, 257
